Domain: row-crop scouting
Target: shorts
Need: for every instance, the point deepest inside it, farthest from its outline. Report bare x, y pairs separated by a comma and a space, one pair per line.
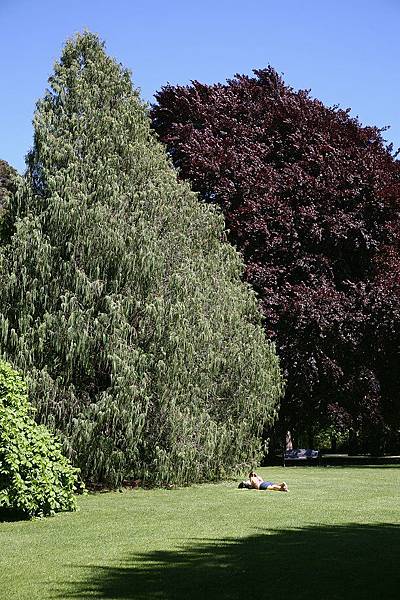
265, 484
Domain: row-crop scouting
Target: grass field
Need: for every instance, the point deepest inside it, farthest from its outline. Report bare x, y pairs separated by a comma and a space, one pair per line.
335, 535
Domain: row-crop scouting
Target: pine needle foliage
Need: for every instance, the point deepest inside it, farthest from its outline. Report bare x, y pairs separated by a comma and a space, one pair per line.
121, 299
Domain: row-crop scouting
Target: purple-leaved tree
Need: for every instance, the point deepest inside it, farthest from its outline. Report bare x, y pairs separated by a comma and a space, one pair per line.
311, 200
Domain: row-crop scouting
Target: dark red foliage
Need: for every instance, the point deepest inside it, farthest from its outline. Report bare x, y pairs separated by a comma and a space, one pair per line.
311, 199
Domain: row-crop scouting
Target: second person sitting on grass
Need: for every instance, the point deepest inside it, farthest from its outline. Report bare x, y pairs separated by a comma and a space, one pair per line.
257, 483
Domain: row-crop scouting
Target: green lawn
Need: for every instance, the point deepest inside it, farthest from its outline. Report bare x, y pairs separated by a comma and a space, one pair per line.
335, 535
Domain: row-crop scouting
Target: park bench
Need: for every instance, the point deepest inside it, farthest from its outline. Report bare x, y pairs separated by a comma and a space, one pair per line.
301, 455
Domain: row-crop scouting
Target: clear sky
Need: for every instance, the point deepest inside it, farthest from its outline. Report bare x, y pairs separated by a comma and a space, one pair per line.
346, 51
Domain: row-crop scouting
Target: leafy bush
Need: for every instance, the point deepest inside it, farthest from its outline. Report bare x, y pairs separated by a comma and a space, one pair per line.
35, 478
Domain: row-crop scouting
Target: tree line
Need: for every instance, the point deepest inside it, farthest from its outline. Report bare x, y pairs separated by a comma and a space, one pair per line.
147, 305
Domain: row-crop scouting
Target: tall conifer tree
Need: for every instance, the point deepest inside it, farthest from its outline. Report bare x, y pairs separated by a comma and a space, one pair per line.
120, 298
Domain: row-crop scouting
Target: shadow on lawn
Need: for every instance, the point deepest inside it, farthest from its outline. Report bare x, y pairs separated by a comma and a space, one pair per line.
8, 516
322, 563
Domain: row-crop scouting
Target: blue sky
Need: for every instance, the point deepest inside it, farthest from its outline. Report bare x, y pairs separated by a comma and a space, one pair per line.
346, 51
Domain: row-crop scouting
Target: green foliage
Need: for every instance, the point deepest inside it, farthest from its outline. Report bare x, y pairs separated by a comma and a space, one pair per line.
121, 300
35, 478
8, 184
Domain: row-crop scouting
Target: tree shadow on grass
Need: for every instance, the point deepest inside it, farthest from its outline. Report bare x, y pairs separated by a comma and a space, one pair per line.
8, 516
321, 562
378, 467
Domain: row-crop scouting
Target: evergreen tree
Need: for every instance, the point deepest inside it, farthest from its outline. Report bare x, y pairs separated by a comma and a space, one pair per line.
120, 298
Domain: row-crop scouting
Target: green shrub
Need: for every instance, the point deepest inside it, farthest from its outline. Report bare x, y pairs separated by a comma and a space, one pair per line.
35, 478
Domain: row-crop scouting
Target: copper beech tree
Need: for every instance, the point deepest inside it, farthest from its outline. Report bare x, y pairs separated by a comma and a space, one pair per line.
311, 200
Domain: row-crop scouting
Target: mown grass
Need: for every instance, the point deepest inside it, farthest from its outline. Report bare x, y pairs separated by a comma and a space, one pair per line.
335, 535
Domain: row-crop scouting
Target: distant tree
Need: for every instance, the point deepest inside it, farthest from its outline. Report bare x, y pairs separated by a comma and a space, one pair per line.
120, 298
7, 175
311, 199
7, 188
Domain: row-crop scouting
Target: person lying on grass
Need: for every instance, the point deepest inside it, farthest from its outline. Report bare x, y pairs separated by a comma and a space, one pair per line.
257, 483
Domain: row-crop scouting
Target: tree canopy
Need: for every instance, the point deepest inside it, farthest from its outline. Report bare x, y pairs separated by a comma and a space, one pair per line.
311, 200
8, 179
120, 298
